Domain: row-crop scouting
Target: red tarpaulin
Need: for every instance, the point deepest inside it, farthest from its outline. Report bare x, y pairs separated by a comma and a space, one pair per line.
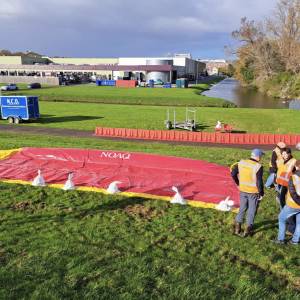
153, 175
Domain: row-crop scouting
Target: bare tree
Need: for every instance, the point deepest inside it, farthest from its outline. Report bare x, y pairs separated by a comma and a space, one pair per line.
270, 47
257, 48
284, 27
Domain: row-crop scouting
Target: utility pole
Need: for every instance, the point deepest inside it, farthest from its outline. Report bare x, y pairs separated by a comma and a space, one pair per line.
197, 71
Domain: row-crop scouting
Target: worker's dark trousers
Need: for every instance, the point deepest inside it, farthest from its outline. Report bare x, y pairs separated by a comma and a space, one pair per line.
249, 203
281, 194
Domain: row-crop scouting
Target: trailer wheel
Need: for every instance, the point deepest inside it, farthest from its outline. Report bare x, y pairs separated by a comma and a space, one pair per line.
169, 125
17, 120
10, 120
193, 125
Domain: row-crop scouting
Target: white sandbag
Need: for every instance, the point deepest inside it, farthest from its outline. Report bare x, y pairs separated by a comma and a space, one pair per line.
177, 199
69, 185
113, 187
39, 180
218, 125
225, 205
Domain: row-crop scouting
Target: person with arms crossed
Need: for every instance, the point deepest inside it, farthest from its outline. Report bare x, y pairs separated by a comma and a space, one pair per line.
248, 174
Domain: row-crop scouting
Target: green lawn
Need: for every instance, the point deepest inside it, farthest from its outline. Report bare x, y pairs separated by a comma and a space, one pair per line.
76, 245
87, 116
113, 95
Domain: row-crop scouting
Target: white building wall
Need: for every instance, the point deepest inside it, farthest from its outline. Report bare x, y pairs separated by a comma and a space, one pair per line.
179, 61
183, 65
190, 66
132, 61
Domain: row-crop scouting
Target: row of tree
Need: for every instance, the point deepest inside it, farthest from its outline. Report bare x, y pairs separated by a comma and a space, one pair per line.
5, 52
269, 47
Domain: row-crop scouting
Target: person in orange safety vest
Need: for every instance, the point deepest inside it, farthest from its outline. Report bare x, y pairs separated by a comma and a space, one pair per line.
286, 165
291, 208
273, 164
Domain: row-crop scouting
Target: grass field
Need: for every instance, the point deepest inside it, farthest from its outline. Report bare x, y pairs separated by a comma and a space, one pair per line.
75, 245
138, 96
87, 116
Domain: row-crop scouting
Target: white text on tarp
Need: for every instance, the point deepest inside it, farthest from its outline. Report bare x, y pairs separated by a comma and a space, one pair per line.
115, 155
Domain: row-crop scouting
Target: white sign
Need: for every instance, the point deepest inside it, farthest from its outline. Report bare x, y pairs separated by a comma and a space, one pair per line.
13, 101
115, 155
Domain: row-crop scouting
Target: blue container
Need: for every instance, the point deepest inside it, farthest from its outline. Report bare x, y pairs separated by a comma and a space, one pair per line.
178, 83
105, 82
184, 83
108, 83
19, 107
151, 83
167, 85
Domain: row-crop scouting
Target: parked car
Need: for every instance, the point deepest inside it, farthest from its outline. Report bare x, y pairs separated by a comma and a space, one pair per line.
158, 82
35, 85
9, 87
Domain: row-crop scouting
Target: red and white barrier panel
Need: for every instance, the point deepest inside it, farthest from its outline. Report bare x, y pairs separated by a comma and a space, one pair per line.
200, 137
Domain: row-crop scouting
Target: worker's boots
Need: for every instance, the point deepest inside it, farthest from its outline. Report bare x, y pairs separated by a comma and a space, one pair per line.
237, 228
248, 231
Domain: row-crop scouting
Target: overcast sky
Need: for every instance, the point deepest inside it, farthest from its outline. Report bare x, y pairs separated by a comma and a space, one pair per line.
114, 28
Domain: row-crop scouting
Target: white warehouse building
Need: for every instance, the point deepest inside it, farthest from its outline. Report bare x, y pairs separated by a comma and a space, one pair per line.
50, 70
182, 66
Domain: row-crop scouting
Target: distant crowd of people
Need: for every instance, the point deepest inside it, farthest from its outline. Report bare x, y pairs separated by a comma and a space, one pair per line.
284, 176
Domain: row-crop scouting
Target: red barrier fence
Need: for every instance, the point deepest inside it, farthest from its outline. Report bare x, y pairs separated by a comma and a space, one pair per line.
126, 83
200, 137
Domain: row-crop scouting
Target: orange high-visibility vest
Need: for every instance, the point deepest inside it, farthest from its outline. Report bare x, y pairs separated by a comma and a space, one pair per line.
247, 176
289, 200
285, 171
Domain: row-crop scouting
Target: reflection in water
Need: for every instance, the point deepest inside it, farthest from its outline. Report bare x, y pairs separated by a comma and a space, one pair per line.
231, 90
294, 104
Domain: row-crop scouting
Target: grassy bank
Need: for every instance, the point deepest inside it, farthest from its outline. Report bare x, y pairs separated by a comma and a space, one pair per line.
87, 116
134, 96
76, 245
282, 85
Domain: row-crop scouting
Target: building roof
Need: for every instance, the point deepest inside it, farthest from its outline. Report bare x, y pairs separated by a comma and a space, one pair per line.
213, 60
148, 68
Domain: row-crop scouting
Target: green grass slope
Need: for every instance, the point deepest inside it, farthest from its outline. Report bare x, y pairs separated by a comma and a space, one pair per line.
113, 95
87, 116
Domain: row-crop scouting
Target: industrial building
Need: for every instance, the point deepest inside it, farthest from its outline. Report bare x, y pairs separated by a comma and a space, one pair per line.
213, 66
52, 70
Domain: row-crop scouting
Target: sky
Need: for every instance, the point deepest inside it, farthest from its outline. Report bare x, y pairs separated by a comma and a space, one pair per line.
123, 28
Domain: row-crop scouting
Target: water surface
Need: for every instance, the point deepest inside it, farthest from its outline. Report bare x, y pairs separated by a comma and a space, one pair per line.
231, 90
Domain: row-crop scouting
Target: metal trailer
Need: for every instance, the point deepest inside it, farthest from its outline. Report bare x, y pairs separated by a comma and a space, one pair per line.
190, 122
18, 108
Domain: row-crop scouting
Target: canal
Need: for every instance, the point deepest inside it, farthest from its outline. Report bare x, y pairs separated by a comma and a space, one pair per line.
231, 90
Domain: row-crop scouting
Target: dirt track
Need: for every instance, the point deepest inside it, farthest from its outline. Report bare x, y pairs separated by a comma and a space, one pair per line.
88, 134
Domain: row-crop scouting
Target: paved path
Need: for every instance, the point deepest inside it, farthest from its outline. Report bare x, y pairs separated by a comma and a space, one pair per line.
88, 134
